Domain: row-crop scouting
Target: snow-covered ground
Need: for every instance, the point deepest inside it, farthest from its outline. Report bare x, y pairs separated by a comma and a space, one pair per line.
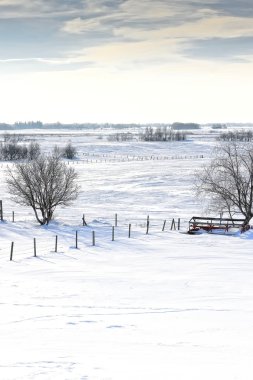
166, 305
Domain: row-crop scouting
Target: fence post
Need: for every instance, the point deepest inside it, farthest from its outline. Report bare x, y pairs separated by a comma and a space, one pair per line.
147, 225
76, 239
12, 244
56, 241
129, 230
173, 224
84, 221
116, 220
34, 247
13, 216
164, 223
178, 224
112, 233
1, 211
93, 238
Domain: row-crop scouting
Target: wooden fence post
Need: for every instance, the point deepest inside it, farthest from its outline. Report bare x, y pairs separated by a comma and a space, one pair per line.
84, 222
76, 239
112, 233
56, 243
129, 230
11, 254
34, 248
178, 224
164, 223
116, 220
173, 224
93, 238
1, 211
147, 225
13, 216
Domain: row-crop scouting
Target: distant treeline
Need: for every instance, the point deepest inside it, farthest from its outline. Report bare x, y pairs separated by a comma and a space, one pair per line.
238, 135
176, 126
219, 126
40, 125
184, 126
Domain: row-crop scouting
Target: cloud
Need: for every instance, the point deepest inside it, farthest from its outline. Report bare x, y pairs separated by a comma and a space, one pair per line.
123, 33
128, 46
128, 13
238, 49
80, 26
20, 9
159, 30
242, 8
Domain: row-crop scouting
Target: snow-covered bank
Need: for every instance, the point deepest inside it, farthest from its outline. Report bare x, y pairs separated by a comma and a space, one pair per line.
160, 306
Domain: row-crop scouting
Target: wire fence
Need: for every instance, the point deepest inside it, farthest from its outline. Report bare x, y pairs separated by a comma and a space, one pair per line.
98, 158
61, 238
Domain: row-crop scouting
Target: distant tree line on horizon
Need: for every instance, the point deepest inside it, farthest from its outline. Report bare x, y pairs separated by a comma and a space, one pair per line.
58, 125
184, 126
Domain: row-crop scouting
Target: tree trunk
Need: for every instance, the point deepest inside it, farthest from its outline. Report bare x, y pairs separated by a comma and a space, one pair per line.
37, 217
247, 219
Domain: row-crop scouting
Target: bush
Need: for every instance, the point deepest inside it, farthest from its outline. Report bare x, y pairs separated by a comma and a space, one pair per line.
13, 151
69, 152
33, 151
162, 134
10, 150
246, 135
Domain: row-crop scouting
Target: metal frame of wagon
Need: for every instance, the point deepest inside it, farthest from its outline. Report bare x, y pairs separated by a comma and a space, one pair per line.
210, 224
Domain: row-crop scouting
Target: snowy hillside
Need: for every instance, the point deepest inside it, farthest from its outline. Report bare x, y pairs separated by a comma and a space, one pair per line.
163, 305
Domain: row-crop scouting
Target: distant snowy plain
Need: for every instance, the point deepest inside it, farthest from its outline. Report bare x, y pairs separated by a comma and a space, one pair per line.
161, 306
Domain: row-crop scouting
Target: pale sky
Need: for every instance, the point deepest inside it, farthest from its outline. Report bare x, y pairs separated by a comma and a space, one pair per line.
122, 61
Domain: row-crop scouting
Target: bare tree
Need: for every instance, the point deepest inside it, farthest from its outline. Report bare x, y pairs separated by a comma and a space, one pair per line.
43, 184
228, 179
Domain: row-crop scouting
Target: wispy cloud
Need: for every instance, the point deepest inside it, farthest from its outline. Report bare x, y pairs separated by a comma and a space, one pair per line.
241, 8
238, 49
126, 60
163, 27
123, 32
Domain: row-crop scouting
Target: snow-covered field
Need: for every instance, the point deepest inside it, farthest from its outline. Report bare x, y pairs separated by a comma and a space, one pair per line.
166, 305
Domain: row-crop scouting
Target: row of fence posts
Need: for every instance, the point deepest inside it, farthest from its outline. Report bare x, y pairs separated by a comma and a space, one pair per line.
105, 159
173, 226
56, 244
